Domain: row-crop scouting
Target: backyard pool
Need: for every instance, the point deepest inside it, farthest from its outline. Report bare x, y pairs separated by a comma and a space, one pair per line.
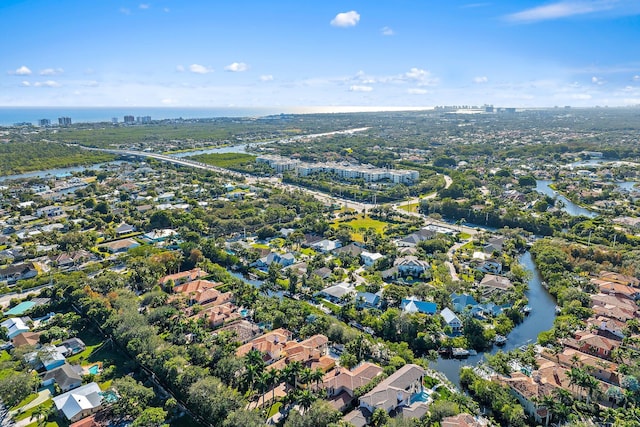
95, 369
423, 396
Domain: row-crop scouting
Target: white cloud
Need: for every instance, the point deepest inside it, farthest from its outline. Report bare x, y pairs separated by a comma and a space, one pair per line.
386, 31
237, 67
48, 83
51, 71
360, 88
346, 19
125, 11
636, 78
22, 71
423, 77
169, 101
25, 83
569, 8
597, 81
580, 96
480, 79
166, 10
417, 91
200, 69
144, 6
266, 78
180, 68
90, 83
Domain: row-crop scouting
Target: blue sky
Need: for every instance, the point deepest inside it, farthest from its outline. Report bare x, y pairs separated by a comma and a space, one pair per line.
248, 53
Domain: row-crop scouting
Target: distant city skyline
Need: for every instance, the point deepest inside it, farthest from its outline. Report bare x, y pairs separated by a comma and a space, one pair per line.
249, 53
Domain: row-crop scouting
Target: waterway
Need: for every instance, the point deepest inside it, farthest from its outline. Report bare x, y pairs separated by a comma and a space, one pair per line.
543, 186
242, 148
60, 172
541, 319
256, 284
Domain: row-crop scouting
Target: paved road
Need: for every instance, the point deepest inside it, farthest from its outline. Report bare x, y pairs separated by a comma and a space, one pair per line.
6, 298
43, 396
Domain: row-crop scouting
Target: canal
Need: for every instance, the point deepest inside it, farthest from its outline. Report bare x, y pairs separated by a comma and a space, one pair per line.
543, 186
541, 319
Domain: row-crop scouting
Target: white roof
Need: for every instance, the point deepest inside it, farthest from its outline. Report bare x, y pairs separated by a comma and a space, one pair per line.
14, 326
75, 401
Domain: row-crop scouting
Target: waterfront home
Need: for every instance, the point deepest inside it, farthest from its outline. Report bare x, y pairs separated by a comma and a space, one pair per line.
494, 244
493, 283
183, 277
490, 266
395, 391
202, 292
451, 320
336, 293
120, 246
284, 260
73, 345
463, 302
594, 344
368, 299
270, 344
340, 383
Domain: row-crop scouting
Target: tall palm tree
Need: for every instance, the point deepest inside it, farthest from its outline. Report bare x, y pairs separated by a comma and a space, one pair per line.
263, 381
305, 400
305, 376
317, 375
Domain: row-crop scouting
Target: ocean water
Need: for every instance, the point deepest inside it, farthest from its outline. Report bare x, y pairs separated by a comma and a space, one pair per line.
12, 115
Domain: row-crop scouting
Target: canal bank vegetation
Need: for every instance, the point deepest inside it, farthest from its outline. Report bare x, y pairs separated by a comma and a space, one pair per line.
20, 157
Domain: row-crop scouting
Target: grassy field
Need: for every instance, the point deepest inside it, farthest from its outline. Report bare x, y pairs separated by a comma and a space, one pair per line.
226, 160
360, 223
411, 207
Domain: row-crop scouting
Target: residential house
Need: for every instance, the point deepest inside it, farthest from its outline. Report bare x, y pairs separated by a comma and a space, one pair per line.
414, 305
413, 239
411, 266
326, 245
284, 260
336, 293
369, 258
340, 383
125, 228
490, 266
80, 402
352, 249
529, 391
26, 338
607, 326
463, 302
620, 278
49, 212
322, 272
120, 246
244, 330
270, 344
66, 376
494, 244
395, 391
311, 352
157, 236
202, 292
15, 272
183, 277
368, 299
218, 314
73, 345
52, 356
451, 320
493, 283
617, 289
462, 420
15, 326
604, 370
594, 344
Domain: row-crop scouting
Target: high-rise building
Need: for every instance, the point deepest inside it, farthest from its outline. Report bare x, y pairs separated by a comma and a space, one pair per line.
44, 122
143, 119
129, 119
64, 121
114, 120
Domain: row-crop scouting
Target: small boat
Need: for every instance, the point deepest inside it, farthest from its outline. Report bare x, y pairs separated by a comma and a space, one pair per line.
460, 352
558, 309
527, 309
500, 340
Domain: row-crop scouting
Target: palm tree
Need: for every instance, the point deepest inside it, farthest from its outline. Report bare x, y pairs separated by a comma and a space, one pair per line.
305, 376
263, 380
291, 373
317, 375
305, 400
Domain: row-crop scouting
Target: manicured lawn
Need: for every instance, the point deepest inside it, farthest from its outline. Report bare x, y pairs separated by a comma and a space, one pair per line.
411, 207
4, 356
26, 400
308, 252
274, 409
362, 223
464, 236
260, 246
27, 414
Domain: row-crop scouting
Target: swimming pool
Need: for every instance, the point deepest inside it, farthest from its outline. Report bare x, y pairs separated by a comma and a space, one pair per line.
423, 396
95, 369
